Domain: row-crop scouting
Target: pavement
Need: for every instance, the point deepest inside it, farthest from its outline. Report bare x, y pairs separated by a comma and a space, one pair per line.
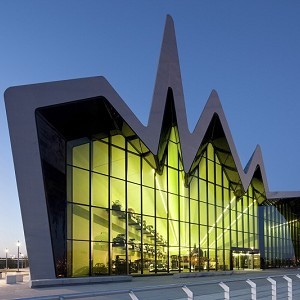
162, 287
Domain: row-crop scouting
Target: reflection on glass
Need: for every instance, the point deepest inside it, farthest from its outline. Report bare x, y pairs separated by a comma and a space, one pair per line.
125, 217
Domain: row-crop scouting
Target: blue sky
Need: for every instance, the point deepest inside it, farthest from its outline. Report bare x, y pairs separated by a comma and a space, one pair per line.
249, 51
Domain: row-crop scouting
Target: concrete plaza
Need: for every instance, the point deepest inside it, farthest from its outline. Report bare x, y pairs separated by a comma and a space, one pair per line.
162, 287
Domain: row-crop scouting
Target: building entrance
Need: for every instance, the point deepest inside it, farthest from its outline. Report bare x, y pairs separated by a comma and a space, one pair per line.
245, 259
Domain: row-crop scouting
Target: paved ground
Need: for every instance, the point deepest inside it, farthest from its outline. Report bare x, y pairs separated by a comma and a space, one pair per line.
170, 288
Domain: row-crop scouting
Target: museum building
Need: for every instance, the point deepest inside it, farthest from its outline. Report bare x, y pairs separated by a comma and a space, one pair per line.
102, 194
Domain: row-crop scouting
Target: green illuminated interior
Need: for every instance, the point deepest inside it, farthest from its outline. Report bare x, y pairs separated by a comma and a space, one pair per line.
126, 217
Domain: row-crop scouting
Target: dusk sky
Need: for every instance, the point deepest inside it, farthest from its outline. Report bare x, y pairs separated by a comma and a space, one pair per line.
248, 51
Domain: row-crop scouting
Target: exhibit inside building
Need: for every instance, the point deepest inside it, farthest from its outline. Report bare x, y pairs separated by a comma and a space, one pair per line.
102, 194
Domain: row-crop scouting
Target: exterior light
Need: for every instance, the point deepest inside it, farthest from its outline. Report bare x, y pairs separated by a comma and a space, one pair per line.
18, 244
6, 251
22, 260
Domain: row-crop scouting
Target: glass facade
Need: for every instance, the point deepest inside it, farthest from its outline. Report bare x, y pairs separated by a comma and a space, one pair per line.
127, 216
281, 236
116, 208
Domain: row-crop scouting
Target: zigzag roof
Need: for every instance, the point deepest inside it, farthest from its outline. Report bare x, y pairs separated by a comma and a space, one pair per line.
168, 77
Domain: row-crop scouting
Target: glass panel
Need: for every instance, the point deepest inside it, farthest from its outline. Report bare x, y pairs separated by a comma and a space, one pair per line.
80, 259
99, 190
233, 220
148, 244
184, 234
134, 198
239, 221
240, 239
219, 260
148, 174
211, 193
81, 156
117, 194
246, 222
148, 201
81, 186
194, 234
117, 162
227, 260
211, 237
161, 233
100, 157
134, 168
119, 264
174, 258
194, 211
161, 204
234, 238
211, 171
225, 181
100, 259
194, 188
239, 205
219, 198
218, 174
203, 237
210, 152
250, 191
173, 180
203, 195
211, 215
246, 239
173, 207
226, 218
173, 233
161, 181
219, 216
203, 213
134, 242
226, 197
131, 148
183, 190
184, 260
172, 155
118, 229
227, 244
212, 261
81, 218
184, 209
202, 168
69, 220
99, 224
118, 140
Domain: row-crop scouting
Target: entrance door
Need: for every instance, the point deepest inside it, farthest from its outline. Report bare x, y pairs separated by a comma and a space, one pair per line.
245, 259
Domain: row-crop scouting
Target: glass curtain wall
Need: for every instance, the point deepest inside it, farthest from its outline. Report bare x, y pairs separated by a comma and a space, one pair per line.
124, 217
281, 236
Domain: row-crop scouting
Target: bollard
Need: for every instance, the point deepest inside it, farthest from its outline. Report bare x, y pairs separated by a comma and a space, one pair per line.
253, 289
290, 287
133, 296
188, 292
226, 290
273, 282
